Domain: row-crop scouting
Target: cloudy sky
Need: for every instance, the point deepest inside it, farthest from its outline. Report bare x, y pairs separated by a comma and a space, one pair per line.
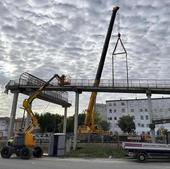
44, 37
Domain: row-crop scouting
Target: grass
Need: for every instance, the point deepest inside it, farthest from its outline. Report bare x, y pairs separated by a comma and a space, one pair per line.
97, 150
94, 150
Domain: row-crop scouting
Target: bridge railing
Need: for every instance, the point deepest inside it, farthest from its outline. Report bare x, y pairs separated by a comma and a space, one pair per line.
28, 80
132, 83
118, 83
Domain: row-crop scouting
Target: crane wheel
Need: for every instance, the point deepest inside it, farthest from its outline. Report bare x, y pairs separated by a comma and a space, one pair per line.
25, 153
37, 152
6, 152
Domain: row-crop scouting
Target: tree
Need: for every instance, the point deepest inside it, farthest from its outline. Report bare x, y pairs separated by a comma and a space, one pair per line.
81, 119
54, 122
50, 122
126, 124
104, 125
70, 124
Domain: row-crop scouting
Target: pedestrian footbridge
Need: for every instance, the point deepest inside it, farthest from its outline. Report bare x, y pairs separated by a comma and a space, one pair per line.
87, 85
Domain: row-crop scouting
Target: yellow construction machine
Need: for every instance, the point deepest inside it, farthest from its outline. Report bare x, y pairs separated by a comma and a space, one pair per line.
89, 124
23, 143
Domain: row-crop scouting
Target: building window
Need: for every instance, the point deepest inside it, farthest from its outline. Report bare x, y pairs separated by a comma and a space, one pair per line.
110, 118
132, 110
123, 110
146, 110
115, 118
110, 104
122, 103
141, 110
110, 110
114, 104
142, 125
147, 117
115, 110
141, 117
138, 124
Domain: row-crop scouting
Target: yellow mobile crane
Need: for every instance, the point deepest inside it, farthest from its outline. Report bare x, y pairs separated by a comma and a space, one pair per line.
23, 144
89, 124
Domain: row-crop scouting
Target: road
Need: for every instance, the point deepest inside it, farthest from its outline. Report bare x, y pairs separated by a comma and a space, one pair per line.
72, 163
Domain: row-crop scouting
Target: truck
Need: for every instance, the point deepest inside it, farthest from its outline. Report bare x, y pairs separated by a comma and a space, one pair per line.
143, 151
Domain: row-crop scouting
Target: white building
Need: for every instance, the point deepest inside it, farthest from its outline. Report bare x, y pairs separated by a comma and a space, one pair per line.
4, 126
4, 123
137, 108
101, 110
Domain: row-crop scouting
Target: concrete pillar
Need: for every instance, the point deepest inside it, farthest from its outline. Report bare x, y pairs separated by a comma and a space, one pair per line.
13, 114
148, 94
65, 120
76, 120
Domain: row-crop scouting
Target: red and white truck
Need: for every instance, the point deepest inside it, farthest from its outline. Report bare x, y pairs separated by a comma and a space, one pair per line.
144, 151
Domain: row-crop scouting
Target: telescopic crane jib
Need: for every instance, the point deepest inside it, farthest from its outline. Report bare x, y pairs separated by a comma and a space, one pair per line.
89, 119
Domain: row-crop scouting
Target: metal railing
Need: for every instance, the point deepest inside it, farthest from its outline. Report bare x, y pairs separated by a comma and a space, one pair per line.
118, 83
28, 80
133, 83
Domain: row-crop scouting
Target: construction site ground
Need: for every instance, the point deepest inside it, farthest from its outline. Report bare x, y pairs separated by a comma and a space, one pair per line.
80, 163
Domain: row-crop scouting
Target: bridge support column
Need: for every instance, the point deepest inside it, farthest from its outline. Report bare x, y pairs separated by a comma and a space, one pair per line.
152, 126
13, 114
65, 120
76, 120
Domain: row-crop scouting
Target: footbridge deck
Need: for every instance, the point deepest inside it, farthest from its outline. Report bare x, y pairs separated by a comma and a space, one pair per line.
87, 85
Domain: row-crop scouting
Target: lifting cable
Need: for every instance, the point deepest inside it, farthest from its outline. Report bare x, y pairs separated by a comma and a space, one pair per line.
124, 52
119, 40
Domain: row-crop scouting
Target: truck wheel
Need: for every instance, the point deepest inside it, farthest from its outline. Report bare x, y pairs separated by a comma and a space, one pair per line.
38, 152
6, 152
141, 157
25, 153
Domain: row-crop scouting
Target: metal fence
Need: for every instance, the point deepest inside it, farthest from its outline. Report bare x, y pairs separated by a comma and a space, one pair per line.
30, 81
139, 83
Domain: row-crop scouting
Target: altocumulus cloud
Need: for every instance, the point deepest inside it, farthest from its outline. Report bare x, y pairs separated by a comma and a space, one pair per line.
44, 37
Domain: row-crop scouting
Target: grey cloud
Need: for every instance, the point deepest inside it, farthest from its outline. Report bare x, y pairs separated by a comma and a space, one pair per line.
47, 37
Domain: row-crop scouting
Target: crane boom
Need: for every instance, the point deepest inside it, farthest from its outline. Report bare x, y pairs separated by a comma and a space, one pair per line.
89, 120
27, 102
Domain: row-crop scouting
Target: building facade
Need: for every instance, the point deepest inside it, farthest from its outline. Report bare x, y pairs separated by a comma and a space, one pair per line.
101, 110
138, 108
4, 123
4, 126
